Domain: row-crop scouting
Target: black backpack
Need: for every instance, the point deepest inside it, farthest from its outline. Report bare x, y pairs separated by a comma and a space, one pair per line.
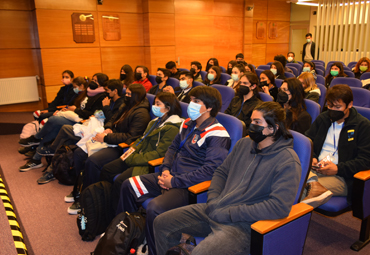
124, 235
62, 164
96, 210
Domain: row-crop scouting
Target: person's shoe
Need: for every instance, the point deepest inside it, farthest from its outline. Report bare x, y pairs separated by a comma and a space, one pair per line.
46, 178
31, 153
31, 164
75, 208
27, 142
316, 194
24, 150
69, 198
45, 151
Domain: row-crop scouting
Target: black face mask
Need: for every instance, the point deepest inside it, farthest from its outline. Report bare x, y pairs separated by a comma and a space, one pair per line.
255, 133
208, 67
244, 90
122, 76
93, 85
335, 115
158, 79
192, 70
138, 76
229, 71
282, 97
127, 100
263, 83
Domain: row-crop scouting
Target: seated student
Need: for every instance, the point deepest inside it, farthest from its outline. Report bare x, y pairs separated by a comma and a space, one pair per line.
186, 85
278, 70
310, 67
246, 98
291, 99
267, 84
126, 75
157, 137
91, 102
195, 69
239, 57
250, 68
340, 134
65, 96
230, 67
336, 70
211, 62
213, 76
141, 77
114, 100
125, 127
238, 71
262, 173
291, 57
282, 60
171, 66
199, 148
311, 91
161, 79
361, 67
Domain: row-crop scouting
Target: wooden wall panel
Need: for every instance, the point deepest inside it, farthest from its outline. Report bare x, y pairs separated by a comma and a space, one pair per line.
248, 53
248, 30
160, 30
55, 29
278, 10
19, 62
113, 58
254, 37
89, 5
159, 6
259, 54
135, 6
194, 7
131, 29
260, 9
25, 5
230, 8
159, 56
283, 32
19, 34
51, 92
82, 61
274, 49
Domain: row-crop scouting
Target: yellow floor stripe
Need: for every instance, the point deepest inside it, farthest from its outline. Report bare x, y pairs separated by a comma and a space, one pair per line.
20, 245
13, 223
17, 233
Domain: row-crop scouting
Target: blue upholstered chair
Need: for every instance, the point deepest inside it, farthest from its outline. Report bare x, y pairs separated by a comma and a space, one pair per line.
152, 79
361, 97
349, 73
352, 82
295, 65
319, 71
320, 67
203, 74
360, 200
300, 62
259, 71
322, 95
352, 64
278, 82
173, 82
265, 97
295, 71
313, 109
197, 83
269, 63
346, 68
151, 98
289, 75
264, 67
227, 94
320, 79
318, 62
224, 78
184, 69
223, 69
365, 76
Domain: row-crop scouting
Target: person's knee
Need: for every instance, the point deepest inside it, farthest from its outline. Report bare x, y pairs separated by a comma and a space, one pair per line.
155, 207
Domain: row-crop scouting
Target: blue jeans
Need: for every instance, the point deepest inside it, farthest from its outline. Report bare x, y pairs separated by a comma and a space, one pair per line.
51, 128
192, 219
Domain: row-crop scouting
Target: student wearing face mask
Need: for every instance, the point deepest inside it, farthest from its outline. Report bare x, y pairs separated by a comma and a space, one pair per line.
257, 181
213, 76
308, 53
278, 70
211, 62
237, 72
311, 90
267, 84
161, 79
340, 135
362, 66
114, 100
141, 77
246, 98
197, 150
126, 75
290, 97
281, 58
249, 68
186, 84
195, 68
230, 67
336, 70
171, 67
310, 67
291, 58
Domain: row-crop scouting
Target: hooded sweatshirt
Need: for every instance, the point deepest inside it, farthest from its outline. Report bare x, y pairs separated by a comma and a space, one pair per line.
253, 185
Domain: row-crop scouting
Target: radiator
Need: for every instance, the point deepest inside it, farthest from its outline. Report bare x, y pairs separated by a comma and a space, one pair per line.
18, 90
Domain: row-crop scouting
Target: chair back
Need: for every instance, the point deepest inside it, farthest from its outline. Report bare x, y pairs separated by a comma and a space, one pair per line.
203, 74
223, 69
152, 79
313, 109
295, 70
123, 91
227, 94
352, 82
264, 67
318, 62
278, 82
300, 62
184, 69
295, 65
258, 72
322, 68
365, 76
352, 64
349, 73
320, 72
151, 98
265, 97
322, 95
184, 109
173, 82
289, 75
364, 111
320, 79
224, 78
361, 97
233, 126
197, 83
346, 68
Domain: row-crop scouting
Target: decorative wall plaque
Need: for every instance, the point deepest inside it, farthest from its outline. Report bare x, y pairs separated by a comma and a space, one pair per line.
83, 27
273, 30
261, 30
111, 28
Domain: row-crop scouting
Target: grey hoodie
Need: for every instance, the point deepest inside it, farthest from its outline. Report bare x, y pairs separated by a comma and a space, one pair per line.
254, 185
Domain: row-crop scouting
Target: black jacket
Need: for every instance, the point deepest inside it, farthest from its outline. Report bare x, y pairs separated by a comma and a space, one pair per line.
155, 89
303, 122
353, 145
65, 96
112, 108
183, 97
93, 104
313, 46
132, 127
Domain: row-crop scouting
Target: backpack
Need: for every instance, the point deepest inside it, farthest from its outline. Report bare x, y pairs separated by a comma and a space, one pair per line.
62, 164
124, 235
185, 247
30, 129
96, 210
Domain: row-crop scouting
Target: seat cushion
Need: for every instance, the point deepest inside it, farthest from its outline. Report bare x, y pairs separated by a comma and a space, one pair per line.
334, 207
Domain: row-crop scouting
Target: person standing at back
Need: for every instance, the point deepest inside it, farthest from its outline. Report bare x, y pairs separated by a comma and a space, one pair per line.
308, 53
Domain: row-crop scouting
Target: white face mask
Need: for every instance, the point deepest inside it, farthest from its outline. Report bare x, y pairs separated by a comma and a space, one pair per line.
184, 84
308, 40
290, 59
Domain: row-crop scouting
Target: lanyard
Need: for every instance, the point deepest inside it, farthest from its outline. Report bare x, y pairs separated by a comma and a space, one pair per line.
150, 130
241, 108
112, 106
335, 149
186, 138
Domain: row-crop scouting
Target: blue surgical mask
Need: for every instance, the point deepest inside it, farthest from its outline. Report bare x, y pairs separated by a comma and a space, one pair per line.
274, 71
184, 84
306, 69
235, 77
194, 111
157, 111
210, 77
76, 90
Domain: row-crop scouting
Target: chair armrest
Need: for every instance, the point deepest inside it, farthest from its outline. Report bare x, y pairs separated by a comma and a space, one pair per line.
363, 175
200, 187
125, 145
264, 226
61, 106
156, 162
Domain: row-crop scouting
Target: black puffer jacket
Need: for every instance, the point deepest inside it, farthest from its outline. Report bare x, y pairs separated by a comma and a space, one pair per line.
93, 103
